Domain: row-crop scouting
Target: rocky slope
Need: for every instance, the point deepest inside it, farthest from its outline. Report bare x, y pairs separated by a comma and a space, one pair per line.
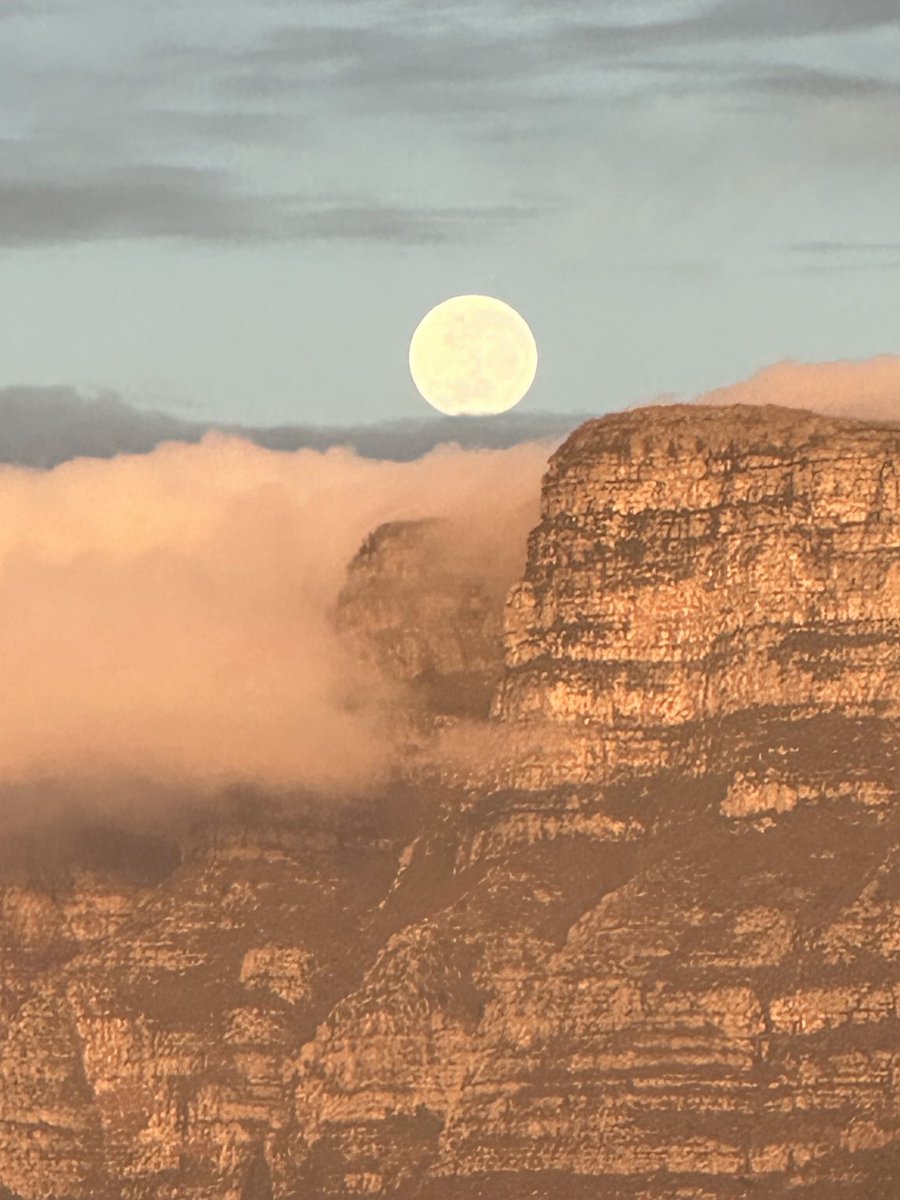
646, 946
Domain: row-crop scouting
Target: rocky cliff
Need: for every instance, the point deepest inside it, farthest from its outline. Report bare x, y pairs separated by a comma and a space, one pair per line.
427, 617
646, 947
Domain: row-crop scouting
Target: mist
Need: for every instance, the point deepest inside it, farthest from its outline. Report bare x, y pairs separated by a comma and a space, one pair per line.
865, 389
169, 615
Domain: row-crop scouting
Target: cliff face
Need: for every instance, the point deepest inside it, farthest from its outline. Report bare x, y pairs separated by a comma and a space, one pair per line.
659, 960
696, 573
426, 617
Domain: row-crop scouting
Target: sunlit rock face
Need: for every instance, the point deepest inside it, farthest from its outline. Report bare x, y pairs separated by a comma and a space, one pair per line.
660, 962
648, 973
699, 572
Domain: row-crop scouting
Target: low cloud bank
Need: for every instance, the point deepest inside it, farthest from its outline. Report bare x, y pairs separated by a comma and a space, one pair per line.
169, 614
868, 389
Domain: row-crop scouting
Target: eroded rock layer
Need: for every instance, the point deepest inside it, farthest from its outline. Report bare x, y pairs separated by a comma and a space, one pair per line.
659, 961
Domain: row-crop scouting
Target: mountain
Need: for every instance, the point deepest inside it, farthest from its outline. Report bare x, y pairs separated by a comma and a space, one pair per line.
625, 924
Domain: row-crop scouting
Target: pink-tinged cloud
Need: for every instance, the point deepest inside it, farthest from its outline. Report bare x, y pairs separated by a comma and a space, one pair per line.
868, 390
169, 614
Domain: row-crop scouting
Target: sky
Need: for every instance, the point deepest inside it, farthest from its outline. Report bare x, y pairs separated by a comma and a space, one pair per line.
240, 211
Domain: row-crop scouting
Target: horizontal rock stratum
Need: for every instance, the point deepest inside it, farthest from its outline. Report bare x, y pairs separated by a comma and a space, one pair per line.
646, 946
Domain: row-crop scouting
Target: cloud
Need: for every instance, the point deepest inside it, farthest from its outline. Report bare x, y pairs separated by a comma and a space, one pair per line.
44, 426
828, 256
341, 219
139, 201
723, 21
389, 60
179, 131
826, 248
868, 390
232, 127
815, 83
801, 18
40, 427
156, 201
138, 135
169, 615
403, 440
392, 47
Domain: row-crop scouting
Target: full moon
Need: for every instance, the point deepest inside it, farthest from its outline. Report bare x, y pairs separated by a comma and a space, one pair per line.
473, 354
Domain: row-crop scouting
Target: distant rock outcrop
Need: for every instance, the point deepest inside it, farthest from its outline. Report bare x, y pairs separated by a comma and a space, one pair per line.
659, 962
425, 617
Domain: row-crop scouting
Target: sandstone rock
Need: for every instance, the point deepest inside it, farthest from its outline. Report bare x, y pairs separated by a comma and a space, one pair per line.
415, 605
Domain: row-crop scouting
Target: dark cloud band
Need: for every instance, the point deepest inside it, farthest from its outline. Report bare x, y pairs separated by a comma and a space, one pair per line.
41, 427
